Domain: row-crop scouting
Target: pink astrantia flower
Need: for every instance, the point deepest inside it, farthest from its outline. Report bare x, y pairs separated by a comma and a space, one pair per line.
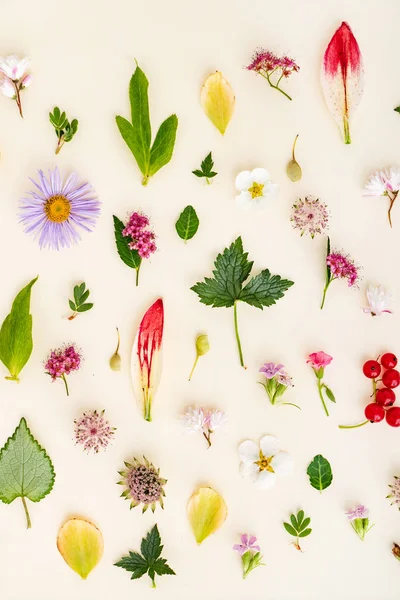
395, 492
14, 77
268, 64
250, 553
359, 512
93, 431
62, 362
384, 183
319, 359
339, 266
248, 542
310, 216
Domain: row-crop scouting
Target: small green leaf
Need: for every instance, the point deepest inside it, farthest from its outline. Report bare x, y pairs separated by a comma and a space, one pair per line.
84, 297
300, 517
264, 289
329, 393
72, 305
163, 146
161, 568
84, 307
206, 168
128, 256
320, 473
151, 547
294, 522
133, 142
305, 524
198, 173
290, 529
397, 109
305, 533
77, 294
187, 224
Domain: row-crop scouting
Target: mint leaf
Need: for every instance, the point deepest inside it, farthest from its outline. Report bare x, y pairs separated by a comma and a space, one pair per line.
137, 135
187, 224
26, 471
16, 342
130, 257
225, 289
149, 561
320, 473
206, 168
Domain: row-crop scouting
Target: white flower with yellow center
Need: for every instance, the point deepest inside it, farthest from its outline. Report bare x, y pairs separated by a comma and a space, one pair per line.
255, 188
263, 462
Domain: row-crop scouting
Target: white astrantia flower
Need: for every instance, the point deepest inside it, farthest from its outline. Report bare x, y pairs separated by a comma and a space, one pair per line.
263, 462
13, 67
378, 300
255, 188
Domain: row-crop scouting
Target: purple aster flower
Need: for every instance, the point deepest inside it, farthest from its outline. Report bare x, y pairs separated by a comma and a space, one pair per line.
359, 512
58, 209
248, 542
270, 370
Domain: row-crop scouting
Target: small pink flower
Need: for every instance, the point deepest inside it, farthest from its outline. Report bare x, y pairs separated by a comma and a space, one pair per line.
319, 359
61, 362
142, 238
359, 512
271, 369
267, 64
93, 431
248, 542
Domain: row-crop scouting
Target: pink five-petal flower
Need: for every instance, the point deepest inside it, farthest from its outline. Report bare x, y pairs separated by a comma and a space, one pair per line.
359, 512
248, 542
319, 359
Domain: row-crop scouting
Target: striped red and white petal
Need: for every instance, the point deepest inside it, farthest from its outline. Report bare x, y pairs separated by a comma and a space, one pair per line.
342, 77
146, 360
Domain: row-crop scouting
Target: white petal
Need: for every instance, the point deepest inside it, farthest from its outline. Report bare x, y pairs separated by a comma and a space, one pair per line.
250, 470
259, 203
244, 200
265, 480
260, 175
248, 451
243, 181
269, 445
282, 463
271, 191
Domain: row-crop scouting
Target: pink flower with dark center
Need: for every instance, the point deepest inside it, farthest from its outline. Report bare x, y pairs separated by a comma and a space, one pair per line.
142, 238
268, 64
248, 542
319, 359
63, 361
93, 431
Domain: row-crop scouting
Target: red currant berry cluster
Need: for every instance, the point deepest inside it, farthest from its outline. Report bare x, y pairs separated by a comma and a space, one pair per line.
384, 397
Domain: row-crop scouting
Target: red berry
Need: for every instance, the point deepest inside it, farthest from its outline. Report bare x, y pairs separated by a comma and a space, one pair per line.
393, 416
389, 360
374, 413
385, 397
371, 369
391, 378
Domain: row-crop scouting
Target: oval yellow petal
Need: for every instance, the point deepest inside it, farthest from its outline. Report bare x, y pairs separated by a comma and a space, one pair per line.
218, 100
207, 511
81, 545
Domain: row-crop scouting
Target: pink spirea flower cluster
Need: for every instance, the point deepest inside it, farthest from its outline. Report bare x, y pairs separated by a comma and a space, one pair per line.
63, 361
343, 267
93, 431
310, 216
264, 60
142, 238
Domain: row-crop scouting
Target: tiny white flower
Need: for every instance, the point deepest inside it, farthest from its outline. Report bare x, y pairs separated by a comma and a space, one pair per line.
215, 419
378, 300
194, 420
14, 67
377, 184
255, 188
394, 179
7, 88
263, 462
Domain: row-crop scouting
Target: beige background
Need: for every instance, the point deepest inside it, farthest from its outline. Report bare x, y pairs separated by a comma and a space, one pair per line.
82, 58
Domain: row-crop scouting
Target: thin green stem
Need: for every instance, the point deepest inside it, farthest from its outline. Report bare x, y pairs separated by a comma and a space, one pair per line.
239, 345
267, 77
137, 275
28, 519
193, 368
320, 386
60, 144
328, 283
153, 583
65, 382
147, 407
346, 128
353, 426
289, 404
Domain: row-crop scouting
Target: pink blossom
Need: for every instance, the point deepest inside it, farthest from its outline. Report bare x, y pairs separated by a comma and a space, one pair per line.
248, 543
270, 370
359, 512
61, 362
142, 238
93, 431
319, 359
343, 267
273, 68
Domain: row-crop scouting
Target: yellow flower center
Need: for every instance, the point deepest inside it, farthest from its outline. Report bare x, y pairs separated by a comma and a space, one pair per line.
264, 463
57, 209
256, 190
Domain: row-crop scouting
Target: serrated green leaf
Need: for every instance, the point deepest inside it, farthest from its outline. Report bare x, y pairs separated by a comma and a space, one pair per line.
198, 173
300, 517
329, 393
162, 568
187, 224
16, 343
130, 257
163, 146
320, 473
305, 533
294, 522
72, 305
134, 563
151, 547
207, 164
84, 307
264, 289
305, 524
26, 470
290, 529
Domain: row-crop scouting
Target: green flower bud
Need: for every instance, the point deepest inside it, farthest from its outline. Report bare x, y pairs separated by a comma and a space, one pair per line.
115, 360
202, 345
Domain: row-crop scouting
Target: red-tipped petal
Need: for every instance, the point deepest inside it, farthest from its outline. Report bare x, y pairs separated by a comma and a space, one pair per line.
343, 77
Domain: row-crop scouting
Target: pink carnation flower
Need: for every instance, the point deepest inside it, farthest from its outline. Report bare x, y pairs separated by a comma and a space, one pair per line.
319, 359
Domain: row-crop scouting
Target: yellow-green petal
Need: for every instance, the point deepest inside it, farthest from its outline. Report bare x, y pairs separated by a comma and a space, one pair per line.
218, 100
207, 511
81, 545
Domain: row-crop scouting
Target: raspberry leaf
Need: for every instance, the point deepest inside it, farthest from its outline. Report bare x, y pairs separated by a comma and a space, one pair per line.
187, 224
320, 473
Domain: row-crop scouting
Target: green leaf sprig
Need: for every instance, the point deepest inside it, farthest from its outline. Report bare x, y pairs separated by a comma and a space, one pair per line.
16, 343
232, 269
65, 130
26, 470
137, 134
79, 304
298, 527
206, 169
130, 257
187, 224
319, 472
149, 561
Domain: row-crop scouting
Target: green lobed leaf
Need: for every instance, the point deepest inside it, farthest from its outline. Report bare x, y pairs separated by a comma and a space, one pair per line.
198, 173
162, 568
151, 547
320, 473
187, 224
72, 305
207, 164
26, 470
163, 146
264, 289
134, 563
128, 256
16, 343
290, 529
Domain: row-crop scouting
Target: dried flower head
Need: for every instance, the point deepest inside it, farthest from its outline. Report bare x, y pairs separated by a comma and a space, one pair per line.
143, 484
310, 216
266, 63
63, 361
93, 431
142, 238
395, 492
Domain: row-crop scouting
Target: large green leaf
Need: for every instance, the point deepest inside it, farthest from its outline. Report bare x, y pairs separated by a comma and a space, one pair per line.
320, 473
133, 142
163, 146
16, 343
264, 289
128, 256
187, 224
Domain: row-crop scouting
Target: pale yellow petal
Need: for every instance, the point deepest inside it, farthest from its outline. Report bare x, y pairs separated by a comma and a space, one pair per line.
218, 100
81, 545
207, 511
